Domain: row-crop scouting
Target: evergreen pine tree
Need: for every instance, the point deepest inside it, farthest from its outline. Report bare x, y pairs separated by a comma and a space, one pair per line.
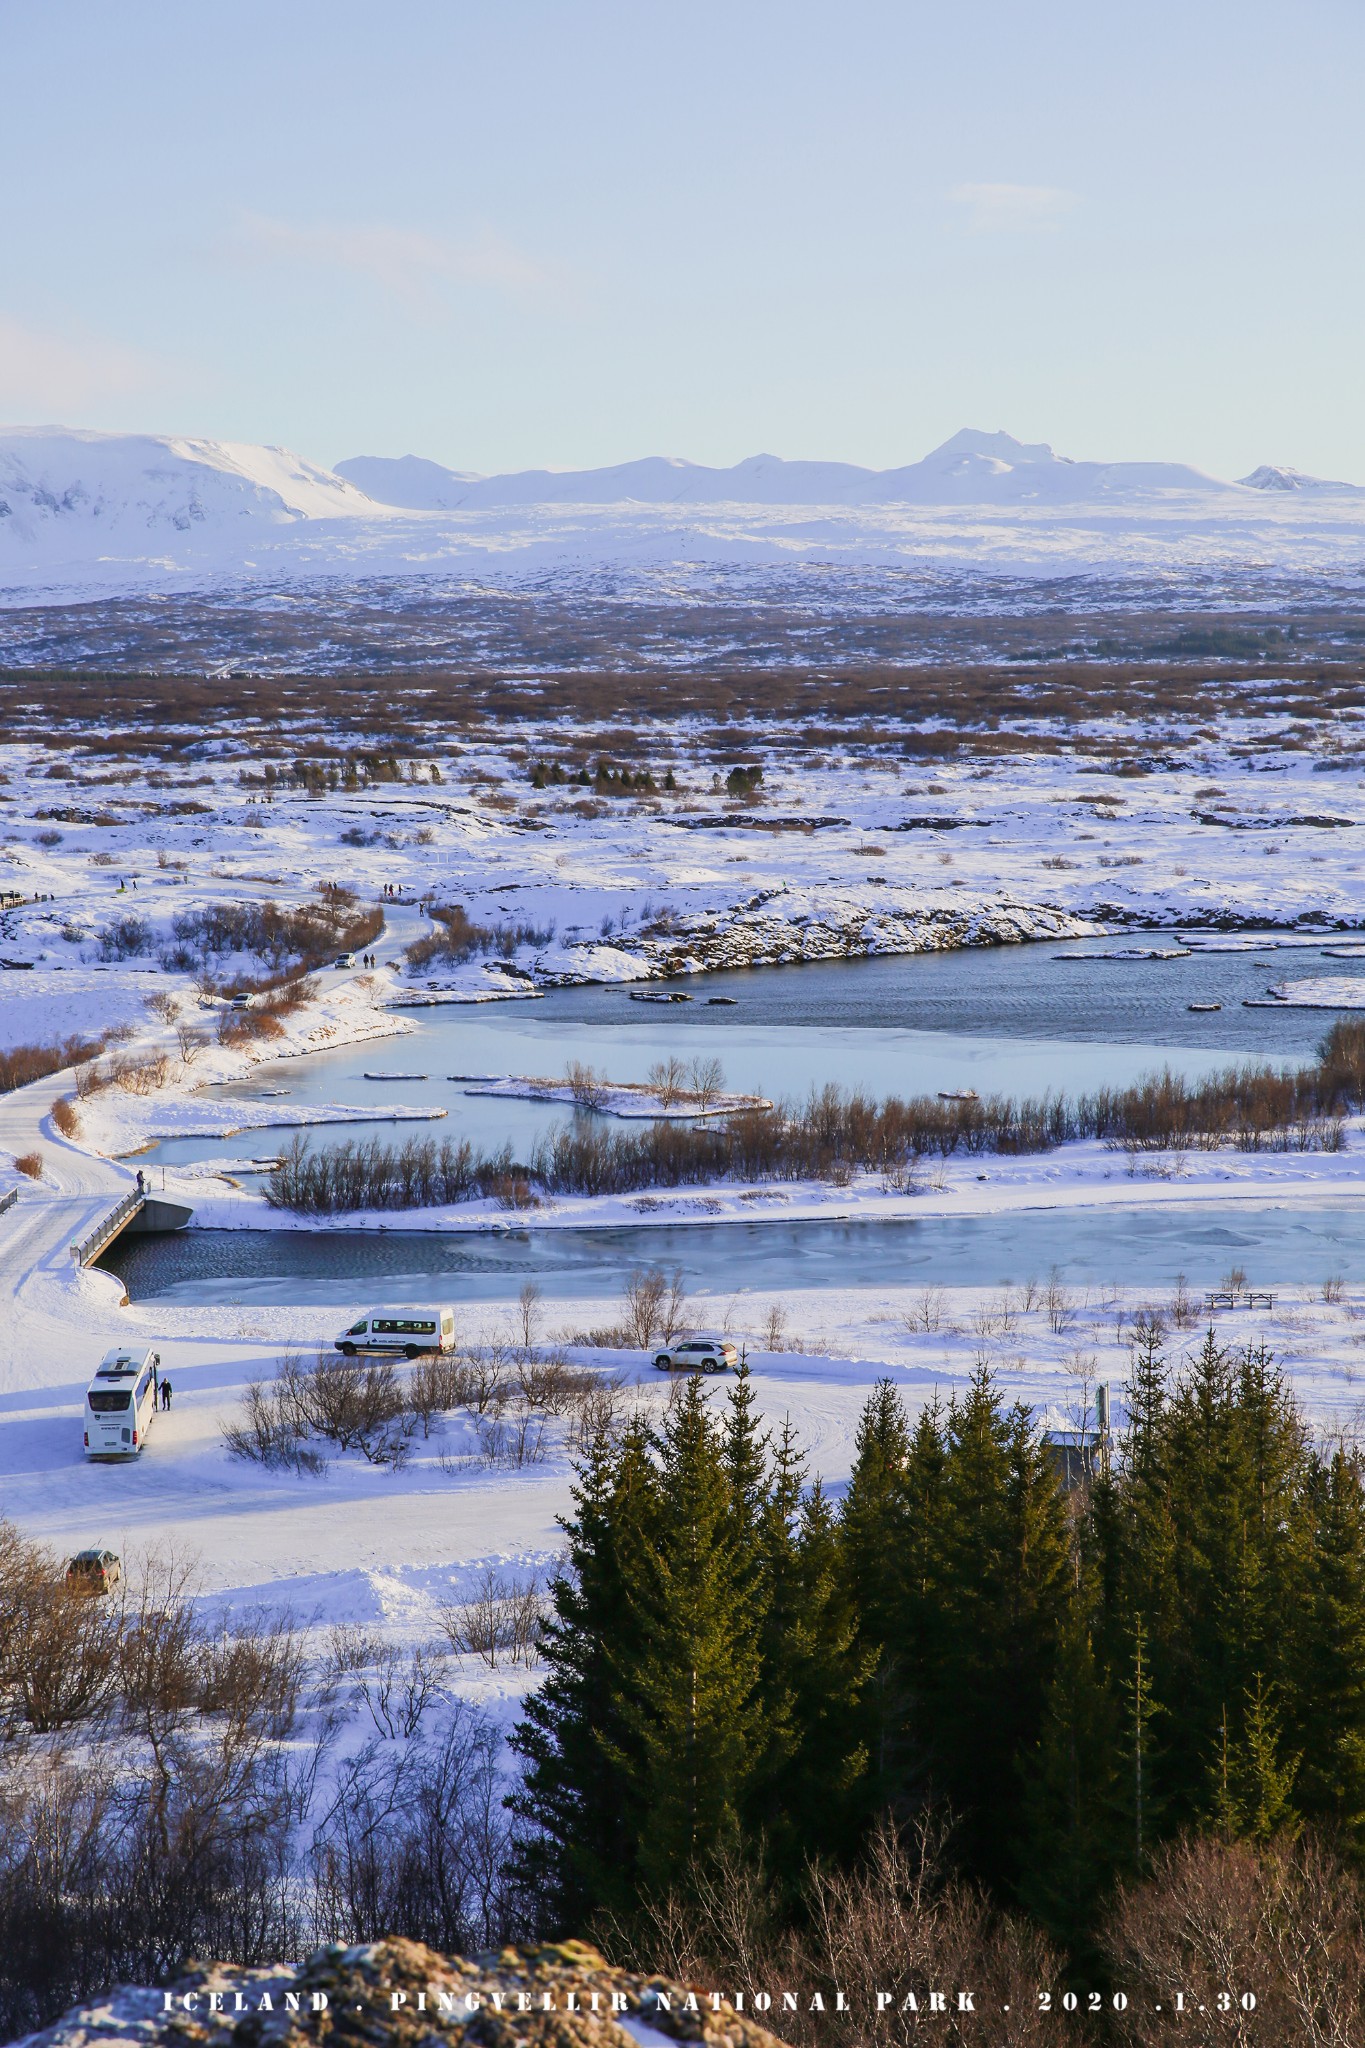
694, 1710
873, 1530
1070, 1798
1004, 1588
811, 1801
1253, 1777
577, 1839
1330, 1723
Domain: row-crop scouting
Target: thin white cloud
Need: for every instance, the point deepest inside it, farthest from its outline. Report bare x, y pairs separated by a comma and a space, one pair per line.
57, 375
1011, 209
408, 262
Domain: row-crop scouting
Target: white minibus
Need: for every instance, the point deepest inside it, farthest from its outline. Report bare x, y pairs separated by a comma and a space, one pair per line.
120, 1403
409, 1330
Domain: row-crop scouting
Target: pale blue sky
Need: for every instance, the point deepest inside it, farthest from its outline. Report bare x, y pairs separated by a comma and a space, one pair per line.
511, 232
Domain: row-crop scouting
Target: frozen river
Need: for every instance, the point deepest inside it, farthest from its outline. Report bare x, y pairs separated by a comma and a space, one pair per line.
1135, 1247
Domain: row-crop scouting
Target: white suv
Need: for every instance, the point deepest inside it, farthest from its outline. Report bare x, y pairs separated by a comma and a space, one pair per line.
697, 1354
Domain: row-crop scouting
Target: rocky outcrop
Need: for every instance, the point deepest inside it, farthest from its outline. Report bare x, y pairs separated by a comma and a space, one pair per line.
398, 1994
780, 927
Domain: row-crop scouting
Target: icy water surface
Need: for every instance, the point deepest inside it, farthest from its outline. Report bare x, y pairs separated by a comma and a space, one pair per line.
1017, 1020
1142, 1247
1013, 1020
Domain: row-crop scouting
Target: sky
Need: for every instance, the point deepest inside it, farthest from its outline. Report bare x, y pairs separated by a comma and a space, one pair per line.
513, 233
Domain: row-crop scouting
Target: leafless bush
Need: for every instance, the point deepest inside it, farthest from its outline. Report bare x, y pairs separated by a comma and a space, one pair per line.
30, 1163
358, 1408
159, 1674
255, 1669
667, 1078
399, 1691
416, 1838
68, 1671
162, 1005
64, 1116
502, 1619
139, 1073
124, 937
514, 1438
189, 1042
654, 1305
585, 1085
1149, 1325
275, 1426
927, 1311
439, 1382
998, 1318
1184, 1314
708, 1079
1283, 1925
890, 1926
552, 1383
528, 1313
1061, 1312
774, 1329
487, 1380
599, 1411
1332, 1289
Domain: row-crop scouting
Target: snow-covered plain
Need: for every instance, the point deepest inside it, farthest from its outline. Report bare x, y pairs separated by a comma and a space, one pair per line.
83, 512
1210, 832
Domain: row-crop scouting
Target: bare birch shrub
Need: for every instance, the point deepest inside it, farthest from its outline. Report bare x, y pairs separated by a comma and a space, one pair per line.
503, 1618
1283, 1926
654, 1306
891, 1926
585, 1085
667, 1078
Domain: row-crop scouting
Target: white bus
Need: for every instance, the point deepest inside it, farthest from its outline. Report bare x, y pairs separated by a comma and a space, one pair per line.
120, 1403
409, 1330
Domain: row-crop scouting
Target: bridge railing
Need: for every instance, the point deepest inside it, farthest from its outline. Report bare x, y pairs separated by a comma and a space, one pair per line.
108, 1227
8, 1201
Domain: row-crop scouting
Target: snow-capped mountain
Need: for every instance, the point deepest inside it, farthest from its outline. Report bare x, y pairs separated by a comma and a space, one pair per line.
65, 486
82, 511
410, 482
1270, 477
970, 469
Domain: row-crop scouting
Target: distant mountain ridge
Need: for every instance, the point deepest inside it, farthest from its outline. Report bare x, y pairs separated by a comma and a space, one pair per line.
82, 510
970, 468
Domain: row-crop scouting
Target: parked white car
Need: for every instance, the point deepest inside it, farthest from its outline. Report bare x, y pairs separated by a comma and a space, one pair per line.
697, 1354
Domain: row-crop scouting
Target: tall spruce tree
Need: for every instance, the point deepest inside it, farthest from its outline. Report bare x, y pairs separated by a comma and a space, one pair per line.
577, 1838
1071, 1800
1236, 1467
873, 1530
809, 1801
1005, 1585
1329, 1726
690, 1695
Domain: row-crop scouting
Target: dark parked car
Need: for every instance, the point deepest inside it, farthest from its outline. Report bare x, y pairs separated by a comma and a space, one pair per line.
94, 1571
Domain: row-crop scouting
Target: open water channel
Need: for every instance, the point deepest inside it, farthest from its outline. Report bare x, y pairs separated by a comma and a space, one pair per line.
1017, 1020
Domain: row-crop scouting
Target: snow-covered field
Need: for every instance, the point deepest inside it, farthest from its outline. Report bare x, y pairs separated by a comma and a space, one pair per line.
1209, 834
